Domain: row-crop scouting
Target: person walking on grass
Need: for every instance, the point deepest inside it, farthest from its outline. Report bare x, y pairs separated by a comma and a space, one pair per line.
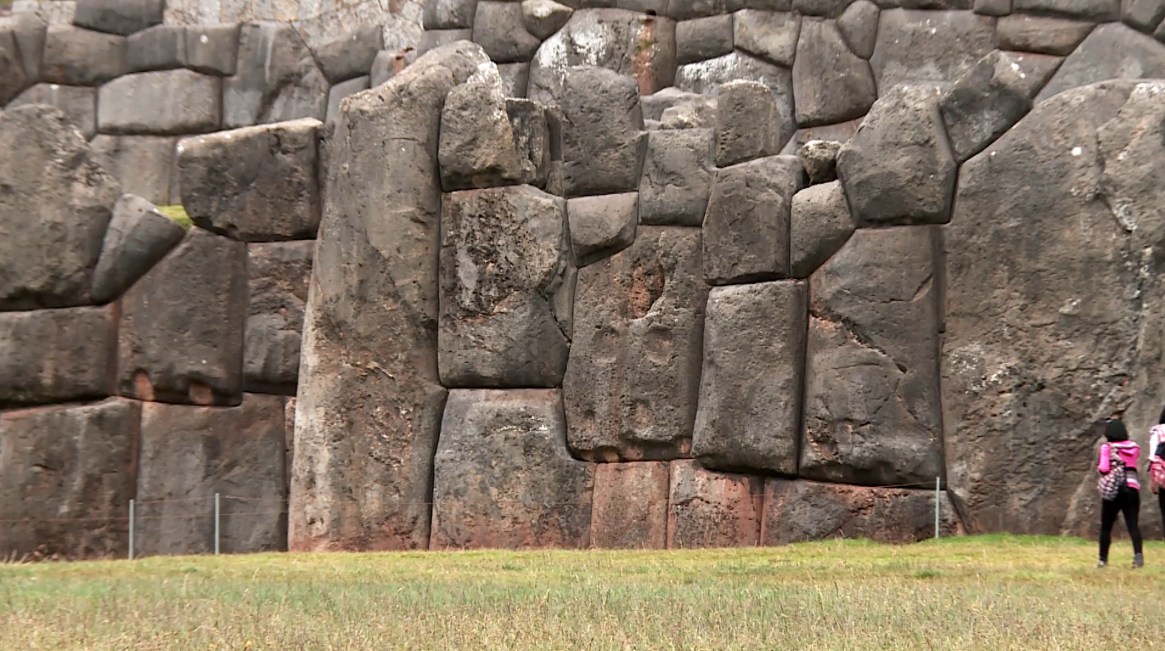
1120, 491
1157, 462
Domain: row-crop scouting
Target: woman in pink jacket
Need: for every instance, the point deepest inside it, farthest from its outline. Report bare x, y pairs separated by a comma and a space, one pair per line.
1128, 500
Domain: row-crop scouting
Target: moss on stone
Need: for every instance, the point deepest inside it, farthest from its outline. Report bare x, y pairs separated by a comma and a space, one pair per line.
178, 215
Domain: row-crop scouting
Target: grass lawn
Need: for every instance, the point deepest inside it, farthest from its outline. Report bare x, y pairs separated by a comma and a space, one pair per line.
993, 592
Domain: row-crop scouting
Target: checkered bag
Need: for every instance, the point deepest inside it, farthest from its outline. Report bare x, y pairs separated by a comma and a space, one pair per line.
1112, 482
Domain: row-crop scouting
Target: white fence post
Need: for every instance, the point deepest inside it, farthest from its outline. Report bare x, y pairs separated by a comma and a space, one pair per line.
131, 519
938, 481
217, 511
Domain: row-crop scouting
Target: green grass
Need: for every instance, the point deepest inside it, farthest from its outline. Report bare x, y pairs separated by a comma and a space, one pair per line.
993, 593
178, 215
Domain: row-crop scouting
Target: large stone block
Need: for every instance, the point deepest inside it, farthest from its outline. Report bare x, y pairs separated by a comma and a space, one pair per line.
746, 228
1144, 15
118, 16
603, 140
630, 505
28, 31
368, 415
504, 255
502, 477
256, 183
51, 356
830, 83
55, 206
872, 410
138, 237
144, 165
677, 177
448, 14
1111, 51
278, 277
79, 57
769, 35
1092, 10
342, 90
78, 103
935, 46
169, 102
13, 77
276, 79
800, 511
67, 475
749, 123
182, 340
712, 509
351, 56
602, 226
703, 38
544, 17
1041, 34
707, 77
500, 29
749, 413
515, 78
819, 224
212, 49
632, 379
162, 47
898, 168
859, 27
188, 455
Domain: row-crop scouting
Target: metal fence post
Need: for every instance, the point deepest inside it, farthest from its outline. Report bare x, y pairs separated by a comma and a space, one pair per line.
938, 482
131, 519
217, 511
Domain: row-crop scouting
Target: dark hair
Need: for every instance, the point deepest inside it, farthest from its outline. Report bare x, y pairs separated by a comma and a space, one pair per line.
1161, 420
1115, 431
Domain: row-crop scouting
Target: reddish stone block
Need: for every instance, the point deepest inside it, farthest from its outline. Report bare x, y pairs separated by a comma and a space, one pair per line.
630, 506
712, 509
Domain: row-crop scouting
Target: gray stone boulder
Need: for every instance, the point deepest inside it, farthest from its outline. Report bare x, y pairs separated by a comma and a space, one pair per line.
363, 469
603, 141
819, 158
898, 168
677, 177
342, 90
712, 509
992, 7
626, 42
278, 276
188, 454
502, 477
872, 410
78, 103
1092, 10
656, 103
1041, 34
51, 356
256, 183
819, 224
515, 78
448, 14
504, 255
53, 213
703, 38
707, 77
144, 165
138, 237
27, 31
824, 8
700, 113
212, 49
161, 47
830, 83
79, 57
858, 25
749, 412
601, 226
544, 17
13, 77
350, 56
118, 16
1111, 51
1144, 15
749, 123
62, 464
182, 341
169, 102
629, 509
500, 29
746, 227
838, 133
769, 35
632, 379
276, 79
932, 46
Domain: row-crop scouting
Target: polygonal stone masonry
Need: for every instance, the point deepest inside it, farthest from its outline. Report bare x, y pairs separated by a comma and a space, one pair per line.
603, 140
602, 225
145, 166
630, 505
711, 509
677, 177
137, 238
168, 102
64, 355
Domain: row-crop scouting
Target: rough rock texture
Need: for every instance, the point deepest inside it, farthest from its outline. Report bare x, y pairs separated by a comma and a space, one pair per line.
212, 49
703, 38
769, 35
918, 46
502, 477
872, 410
544, 17
342, 90
80, 57
819, 158
276, 79
1041, 34
181, 333
118, 16
656, 103
1095, 10
711, 509
858, 25
143, 165
278, 276
168, 102
799, 511
138, 237
630, 505
633, 376
13, 78
63, 463
898, 168
54, 210
749, 123
601, 226
515, 78
992, 7
629, 43
351, 56
448, 14
28, 32
833, 132
746, 228
1143, 14
500, 29
830, 83
1071, 197
78, 103
256, 183
56, 355
162, 47
697, 114
677, 177
749, 412
603, 140
190, 453
369, 404
706, 78
504, 255
1111, 51
819, 224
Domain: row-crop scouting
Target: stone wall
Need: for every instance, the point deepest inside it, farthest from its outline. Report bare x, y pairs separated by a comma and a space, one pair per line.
652, 275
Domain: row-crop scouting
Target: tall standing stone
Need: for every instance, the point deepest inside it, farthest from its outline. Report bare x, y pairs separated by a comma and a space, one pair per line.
278, 276
830, 83
603, 141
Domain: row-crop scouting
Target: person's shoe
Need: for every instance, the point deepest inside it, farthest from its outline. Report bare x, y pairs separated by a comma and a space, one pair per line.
1102, 563
1138, 560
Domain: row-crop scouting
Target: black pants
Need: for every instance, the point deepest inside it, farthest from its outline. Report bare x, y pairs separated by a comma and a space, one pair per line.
1128, 502
1161, 503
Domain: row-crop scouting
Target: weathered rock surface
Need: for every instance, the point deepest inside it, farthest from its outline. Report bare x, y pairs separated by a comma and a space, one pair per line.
711, 509
212, 49
342, 90
819, 225
515, 78
898, 168
749, 123
276, 79
351, 56
992, 7
630, 505
168, 102
601, 226
769, 35
65, 463
1111, 51
832, 132
256, 183
1041, 34
872, 410
820, 8
1144, 15
504, 254
28, 31
746, 227
633, 376
799, 511
603, 141
78, 103
544, 17
143, 165
190, 453
707, 77
749, 412
653, 105
118, 16
677, 177
79, 57
448, 14
819, 158
369, 405
13, 77
500, 29
858, 25
703, 38
279, 274
830, 83
502, 477
1093, 10
54, 210
182, 341
51, 356
936, 46
697, 114
626, 42
162, 47
138, 237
